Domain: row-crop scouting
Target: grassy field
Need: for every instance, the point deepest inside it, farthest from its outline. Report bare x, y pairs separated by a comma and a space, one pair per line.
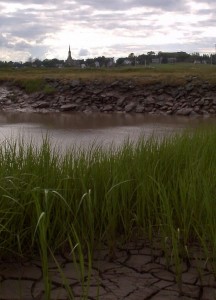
172, 73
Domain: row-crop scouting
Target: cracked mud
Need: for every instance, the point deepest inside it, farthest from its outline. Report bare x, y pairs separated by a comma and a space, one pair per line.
136, 272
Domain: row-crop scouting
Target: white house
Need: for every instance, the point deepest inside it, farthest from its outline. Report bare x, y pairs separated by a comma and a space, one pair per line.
127, 62
111, 62
171, 60
156, 60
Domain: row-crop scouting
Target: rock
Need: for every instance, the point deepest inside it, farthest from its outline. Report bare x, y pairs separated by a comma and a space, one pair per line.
95, 108
130, 107
196, 109
169, 103
148, 109
74, 83
180, 95
160, 91
205, 113
42, 104
115, 83
169, 112
194, 114
107, 108
55, 84
201, 101
67, 107
160, 98
120, 101
184, 112
8, 102
97, 92
189, 87
149, 100
140, 109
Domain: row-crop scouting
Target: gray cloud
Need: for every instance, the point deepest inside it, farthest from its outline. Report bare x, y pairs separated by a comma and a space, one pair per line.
113, 5
208, 23
205, 11
83, 52
3, 41
168, 5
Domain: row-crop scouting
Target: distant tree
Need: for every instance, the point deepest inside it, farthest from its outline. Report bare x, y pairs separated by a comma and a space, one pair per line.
120, 61
195, 56
52, 63
90, 62
10, 63
142, 59
151, 53
3, 64
102, 60
132, 58
37, 62
80, 62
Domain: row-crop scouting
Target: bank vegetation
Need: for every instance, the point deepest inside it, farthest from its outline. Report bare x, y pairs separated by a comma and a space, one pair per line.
155, 73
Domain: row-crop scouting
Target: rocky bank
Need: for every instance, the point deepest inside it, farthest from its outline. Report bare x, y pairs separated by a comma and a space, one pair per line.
194, 97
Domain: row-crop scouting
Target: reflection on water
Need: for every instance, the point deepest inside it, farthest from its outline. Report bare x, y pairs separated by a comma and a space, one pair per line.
69, 129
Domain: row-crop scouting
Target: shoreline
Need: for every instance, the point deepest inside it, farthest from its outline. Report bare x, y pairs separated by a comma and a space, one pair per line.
194, 98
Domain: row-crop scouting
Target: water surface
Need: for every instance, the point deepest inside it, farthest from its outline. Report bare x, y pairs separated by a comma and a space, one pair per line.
79, 129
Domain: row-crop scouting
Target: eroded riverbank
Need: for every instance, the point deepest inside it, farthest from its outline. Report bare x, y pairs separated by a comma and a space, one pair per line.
193, 98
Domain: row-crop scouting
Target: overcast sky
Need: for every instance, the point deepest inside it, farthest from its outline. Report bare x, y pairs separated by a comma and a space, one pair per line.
45, 28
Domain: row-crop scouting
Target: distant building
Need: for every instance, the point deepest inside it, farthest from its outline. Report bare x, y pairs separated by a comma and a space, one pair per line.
69, 60
59, 66
156, 60
171, 60
111, 62
127, 62
97, 64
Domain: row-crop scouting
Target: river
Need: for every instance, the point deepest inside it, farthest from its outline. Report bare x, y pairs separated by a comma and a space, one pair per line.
79, 129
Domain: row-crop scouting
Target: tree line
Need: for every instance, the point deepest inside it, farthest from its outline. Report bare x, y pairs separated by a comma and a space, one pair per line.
132, 59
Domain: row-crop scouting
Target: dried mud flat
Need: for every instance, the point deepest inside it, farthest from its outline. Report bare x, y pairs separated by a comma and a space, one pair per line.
137, 272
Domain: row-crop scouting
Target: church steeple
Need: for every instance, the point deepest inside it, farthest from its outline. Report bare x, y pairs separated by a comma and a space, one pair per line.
69, 52
69, 60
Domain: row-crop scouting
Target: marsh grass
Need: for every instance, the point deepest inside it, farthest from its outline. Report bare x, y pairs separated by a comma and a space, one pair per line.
174, 74
152, 189
32, 85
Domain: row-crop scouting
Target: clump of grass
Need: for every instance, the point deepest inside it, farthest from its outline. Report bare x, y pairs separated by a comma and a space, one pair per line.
151, 189
33, 85
48, 89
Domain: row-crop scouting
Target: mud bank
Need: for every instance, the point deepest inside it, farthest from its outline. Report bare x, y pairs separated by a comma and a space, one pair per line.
193, 98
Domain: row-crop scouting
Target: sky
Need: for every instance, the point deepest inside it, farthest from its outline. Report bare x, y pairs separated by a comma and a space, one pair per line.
113, 28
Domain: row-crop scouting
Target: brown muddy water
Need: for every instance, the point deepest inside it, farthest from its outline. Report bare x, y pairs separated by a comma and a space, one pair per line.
81, 130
